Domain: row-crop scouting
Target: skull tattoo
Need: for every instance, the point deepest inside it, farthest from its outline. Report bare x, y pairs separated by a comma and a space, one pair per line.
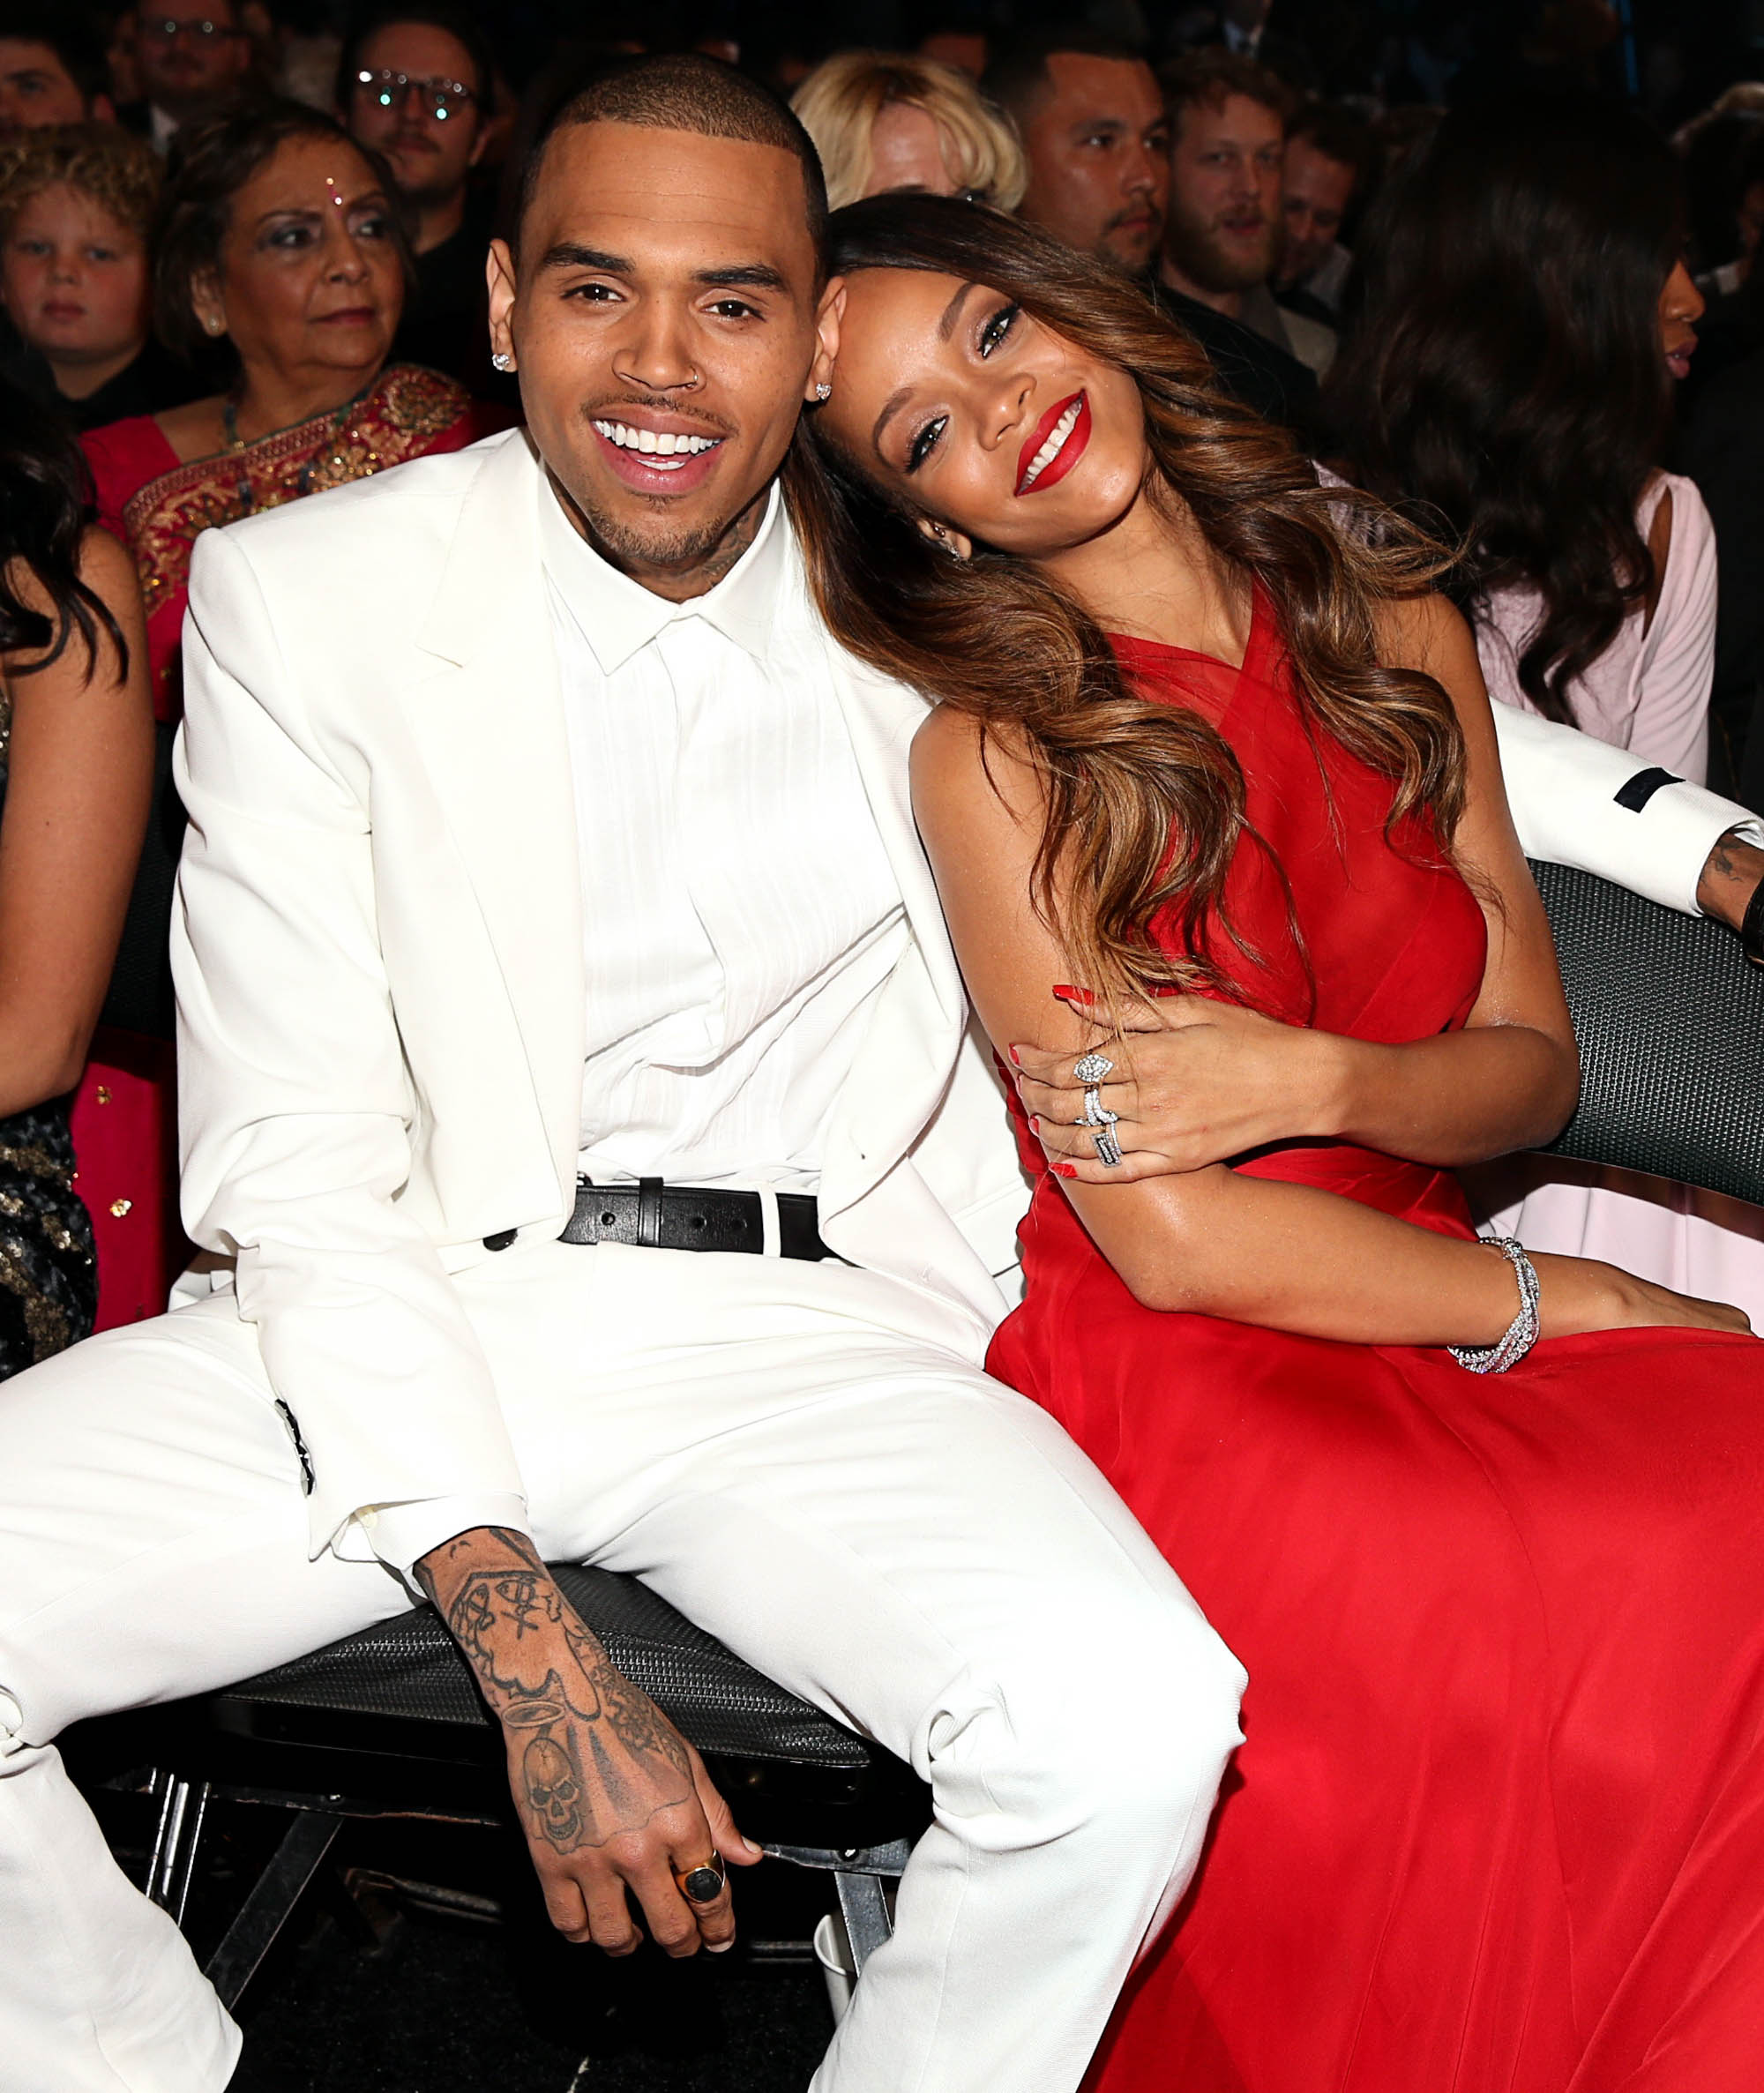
554, 1789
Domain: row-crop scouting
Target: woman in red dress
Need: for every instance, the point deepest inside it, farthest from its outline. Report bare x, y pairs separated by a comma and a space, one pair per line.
280, 244
1497, 1825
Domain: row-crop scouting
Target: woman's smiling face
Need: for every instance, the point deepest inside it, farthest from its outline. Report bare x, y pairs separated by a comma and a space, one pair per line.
953, 399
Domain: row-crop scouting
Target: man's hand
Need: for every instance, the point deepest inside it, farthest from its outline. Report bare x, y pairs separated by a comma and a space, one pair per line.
611, 1797
1730, 879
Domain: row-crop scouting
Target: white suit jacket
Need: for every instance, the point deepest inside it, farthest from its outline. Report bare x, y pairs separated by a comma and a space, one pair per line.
377, 949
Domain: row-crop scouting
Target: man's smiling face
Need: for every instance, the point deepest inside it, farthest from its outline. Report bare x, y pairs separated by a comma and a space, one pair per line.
667, 324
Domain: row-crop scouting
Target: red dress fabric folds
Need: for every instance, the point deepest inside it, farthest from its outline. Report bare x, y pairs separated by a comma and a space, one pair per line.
1498, 1826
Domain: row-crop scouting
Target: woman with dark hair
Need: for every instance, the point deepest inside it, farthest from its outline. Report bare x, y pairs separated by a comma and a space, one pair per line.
1200, 741
1525, 312
279, 239
76, 765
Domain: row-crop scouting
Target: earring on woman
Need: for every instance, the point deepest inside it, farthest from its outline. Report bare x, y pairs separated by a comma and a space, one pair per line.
501, 361
823, 390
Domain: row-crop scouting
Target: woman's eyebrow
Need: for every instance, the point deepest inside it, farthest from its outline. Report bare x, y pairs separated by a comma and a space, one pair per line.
891, 407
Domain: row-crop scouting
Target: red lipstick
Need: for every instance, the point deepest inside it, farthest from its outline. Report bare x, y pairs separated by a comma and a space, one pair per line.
1077, 406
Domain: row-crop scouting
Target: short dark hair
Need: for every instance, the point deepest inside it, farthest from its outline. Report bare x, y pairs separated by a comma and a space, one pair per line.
431, 14
1207, 78
62, 31
208, 169
686, 92
1337, 133
1017, 75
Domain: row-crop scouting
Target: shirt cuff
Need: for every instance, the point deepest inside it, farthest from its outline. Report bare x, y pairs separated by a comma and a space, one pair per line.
1686, 822
401, 1535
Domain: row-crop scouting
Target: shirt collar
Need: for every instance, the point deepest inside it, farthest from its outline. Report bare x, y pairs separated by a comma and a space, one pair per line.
619, 616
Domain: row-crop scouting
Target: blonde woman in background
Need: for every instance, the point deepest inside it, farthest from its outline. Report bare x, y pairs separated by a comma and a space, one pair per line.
883, 120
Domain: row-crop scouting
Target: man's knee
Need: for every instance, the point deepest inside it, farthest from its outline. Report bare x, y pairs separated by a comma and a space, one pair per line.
1117, 1732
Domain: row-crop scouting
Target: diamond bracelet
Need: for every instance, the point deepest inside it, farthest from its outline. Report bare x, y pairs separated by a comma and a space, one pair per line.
1522, 1332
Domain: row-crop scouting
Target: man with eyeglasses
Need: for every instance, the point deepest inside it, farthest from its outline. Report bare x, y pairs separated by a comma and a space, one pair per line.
192, 56
415, 85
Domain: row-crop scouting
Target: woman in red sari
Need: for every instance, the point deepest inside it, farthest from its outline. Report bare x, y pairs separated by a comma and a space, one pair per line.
1485, 1530
280, 244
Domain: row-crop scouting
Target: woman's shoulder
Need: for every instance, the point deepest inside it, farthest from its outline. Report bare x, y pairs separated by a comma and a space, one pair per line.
1674, 503
123, 457
964, 770
428, 408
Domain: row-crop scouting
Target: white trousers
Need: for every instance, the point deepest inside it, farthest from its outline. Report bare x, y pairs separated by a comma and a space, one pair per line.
802, 1459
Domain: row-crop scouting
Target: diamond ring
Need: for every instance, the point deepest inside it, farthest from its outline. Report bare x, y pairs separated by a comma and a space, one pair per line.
1095, 1112
1092, 1068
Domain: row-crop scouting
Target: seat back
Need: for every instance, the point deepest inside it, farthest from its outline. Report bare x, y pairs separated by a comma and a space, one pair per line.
1669, 1017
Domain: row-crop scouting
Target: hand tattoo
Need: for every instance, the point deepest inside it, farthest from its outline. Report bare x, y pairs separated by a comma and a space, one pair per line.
600, 1758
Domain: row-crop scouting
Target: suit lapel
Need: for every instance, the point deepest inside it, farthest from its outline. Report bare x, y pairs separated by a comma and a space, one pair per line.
904, 1065
489, 722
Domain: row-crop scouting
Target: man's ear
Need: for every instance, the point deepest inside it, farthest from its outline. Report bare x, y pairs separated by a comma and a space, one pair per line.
499, 274
829, 316
947, 538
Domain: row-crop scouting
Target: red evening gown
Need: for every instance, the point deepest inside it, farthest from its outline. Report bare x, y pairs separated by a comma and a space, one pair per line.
1498, 1826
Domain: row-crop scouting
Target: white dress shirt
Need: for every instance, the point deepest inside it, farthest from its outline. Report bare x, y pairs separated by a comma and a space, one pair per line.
741, 914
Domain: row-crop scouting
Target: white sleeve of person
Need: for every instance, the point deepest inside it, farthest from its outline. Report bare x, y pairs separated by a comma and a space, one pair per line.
1579, 801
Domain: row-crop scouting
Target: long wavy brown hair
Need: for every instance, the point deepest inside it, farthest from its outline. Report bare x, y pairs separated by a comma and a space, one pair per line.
1145, 802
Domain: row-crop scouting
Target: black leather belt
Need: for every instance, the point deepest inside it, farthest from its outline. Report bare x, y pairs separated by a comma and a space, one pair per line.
657, 1216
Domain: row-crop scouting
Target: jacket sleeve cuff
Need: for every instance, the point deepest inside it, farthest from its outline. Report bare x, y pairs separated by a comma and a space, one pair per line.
1687, 823
401, 1535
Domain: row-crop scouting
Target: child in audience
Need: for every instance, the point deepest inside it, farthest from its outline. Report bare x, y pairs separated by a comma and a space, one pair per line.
76, 208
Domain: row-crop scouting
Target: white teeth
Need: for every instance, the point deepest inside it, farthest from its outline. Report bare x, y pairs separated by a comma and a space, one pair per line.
1054, 445
666, 445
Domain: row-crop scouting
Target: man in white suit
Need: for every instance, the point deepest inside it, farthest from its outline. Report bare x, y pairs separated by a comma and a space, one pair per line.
539, 834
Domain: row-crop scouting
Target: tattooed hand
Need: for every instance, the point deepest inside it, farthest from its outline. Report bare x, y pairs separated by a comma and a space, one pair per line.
611, 1797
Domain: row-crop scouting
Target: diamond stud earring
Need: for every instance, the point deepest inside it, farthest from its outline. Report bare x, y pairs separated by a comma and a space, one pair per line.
823, 390
500, 362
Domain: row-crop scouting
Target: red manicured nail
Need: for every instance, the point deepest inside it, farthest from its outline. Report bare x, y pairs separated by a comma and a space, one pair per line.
1016, 1058
1064, 989
1065, 1170
1034, 1122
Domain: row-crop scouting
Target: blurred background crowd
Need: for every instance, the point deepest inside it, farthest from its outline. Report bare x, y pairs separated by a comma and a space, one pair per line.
1494, 262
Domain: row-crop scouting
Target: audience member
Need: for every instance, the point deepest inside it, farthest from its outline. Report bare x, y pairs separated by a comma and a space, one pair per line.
1524, 411
415, 84
51, 69
120, 26
1092, 120
281, 241
76, 209
1527, 409
966, 49
1328, 156
1223, 232
76, 767
192, 57
881, 120
1242, 28
1742, 223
